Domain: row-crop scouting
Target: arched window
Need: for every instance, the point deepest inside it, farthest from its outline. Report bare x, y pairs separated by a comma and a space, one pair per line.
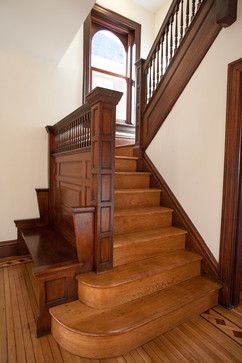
111, 48
109, 67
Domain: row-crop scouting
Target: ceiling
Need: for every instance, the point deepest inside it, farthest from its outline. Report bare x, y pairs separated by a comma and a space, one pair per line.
151, 5
43, 28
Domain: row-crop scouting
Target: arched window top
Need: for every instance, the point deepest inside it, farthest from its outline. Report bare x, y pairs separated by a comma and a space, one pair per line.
108, 52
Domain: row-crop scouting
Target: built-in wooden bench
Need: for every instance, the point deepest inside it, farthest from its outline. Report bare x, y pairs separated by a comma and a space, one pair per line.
55, 265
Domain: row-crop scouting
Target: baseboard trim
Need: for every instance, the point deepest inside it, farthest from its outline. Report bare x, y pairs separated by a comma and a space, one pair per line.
9, 248
194, 241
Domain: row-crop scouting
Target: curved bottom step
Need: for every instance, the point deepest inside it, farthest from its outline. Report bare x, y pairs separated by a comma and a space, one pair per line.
105, 333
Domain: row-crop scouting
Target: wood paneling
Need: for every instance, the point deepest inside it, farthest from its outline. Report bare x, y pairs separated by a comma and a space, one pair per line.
103, 109
71, 189
9, 248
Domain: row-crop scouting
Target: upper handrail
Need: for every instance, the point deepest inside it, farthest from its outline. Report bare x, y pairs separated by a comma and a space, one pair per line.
173, 29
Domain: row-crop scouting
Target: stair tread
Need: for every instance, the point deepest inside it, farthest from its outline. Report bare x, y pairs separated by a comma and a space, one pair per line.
137, 190
126, 157
139, 269
132, 173
137, 237
143, 210
84, 320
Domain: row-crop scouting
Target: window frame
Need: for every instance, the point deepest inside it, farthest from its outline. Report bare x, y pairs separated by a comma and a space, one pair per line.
104, 19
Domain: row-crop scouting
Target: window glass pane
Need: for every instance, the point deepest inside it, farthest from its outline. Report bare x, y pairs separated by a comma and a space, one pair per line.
108, 52
115, 83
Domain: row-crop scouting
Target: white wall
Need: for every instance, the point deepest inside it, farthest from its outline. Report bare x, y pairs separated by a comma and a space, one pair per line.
34, 92
189, 148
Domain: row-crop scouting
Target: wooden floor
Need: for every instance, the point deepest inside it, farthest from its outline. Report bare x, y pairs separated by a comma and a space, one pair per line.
216, 336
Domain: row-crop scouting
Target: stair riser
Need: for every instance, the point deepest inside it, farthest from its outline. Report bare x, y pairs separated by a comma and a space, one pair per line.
136, 199
132, 181
142, 250
98, 347
124, 151
125, 165
128, 224
103, 297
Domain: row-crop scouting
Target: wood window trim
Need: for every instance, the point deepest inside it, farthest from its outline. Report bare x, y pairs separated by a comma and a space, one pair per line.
231, 224
109, 19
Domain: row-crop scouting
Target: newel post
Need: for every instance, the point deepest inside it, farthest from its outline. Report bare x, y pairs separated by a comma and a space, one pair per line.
140, 99
226, 12
103, 123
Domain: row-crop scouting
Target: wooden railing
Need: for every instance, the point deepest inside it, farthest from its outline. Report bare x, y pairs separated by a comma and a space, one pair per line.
74, 131
170, 36
81, 205
188, 31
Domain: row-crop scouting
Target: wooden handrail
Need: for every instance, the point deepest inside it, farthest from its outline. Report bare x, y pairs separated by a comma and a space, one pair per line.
188, 31
173, 29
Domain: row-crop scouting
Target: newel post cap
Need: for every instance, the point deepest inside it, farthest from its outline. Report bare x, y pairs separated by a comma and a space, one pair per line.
103, 95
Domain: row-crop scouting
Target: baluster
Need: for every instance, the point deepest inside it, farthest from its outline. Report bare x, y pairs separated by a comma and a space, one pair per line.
187, 13
85, 130
181, 22
171, 38
162, 56
153, 83
75, 133
71, 136
193, 7
79, 132
89, 128
167, 33
176, 26
199, 3
146, 71
158, 64
150, 93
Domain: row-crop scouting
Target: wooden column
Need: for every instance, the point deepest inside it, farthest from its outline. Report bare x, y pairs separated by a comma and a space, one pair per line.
140, 99
103, 121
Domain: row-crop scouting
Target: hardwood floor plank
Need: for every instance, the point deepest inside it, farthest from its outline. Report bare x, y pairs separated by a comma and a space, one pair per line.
223, 324
231, 315
219, 339
30, 316
28, 346
152, 350
9, 316
45, 346
3, 329
55, 349
205, 349
144, 355
175, 340
137, 357
171, 353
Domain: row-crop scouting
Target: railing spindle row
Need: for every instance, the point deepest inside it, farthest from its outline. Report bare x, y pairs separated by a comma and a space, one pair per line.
171, 35
75, 132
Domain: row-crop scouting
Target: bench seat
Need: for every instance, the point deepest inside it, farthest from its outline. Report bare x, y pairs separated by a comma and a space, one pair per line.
54, 269
49, 250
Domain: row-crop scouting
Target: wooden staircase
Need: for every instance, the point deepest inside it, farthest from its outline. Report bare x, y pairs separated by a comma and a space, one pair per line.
155, 283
